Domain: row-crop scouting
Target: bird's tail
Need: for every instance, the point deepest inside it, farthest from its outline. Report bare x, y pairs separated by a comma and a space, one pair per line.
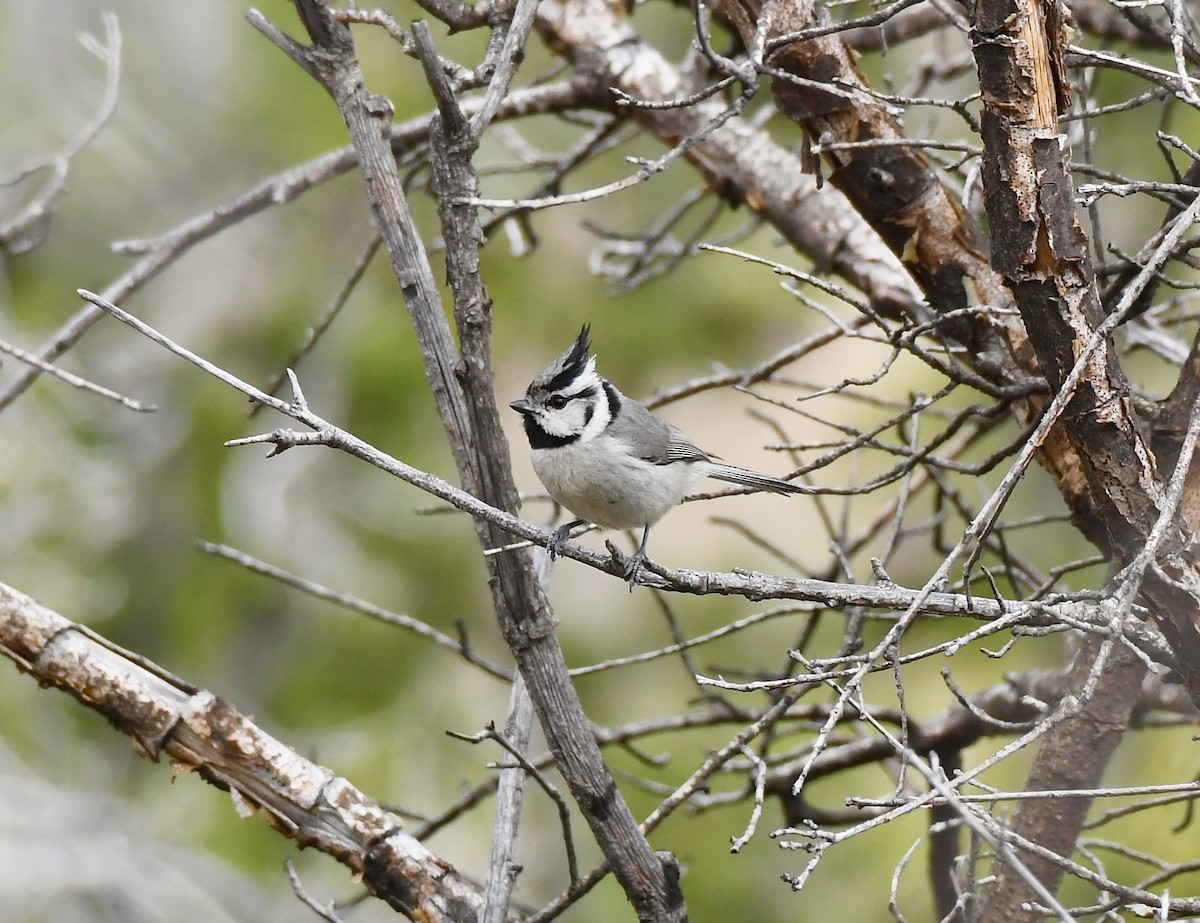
748, 478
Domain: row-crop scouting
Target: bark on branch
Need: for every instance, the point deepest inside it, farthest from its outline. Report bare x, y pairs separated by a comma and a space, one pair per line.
202, 733
462, 388
1041, 250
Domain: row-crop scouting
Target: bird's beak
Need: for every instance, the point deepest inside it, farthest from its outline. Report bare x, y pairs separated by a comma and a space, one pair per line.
521, 406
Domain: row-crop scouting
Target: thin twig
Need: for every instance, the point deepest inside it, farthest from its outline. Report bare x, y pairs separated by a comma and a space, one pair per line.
355, 604
74, 380
564, 811
325, 913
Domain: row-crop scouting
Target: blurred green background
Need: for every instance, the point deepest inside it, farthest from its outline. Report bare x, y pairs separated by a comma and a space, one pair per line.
101, 508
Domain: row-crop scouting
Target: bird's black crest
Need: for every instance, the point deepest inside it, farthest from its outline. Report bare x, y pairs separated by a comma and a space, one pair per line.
569, 365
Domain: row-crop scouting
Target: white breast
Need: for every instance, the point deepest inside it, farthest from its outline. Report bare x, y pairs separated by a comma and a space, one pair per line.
599, 481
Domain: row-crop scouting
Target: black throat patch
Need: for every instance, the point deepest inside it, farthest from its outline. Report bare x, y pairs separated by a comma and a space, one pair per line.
540, 439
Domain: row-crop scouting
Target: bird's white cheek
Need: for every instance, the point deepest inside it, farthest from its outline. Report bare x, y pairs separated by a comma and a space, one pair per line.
569, 421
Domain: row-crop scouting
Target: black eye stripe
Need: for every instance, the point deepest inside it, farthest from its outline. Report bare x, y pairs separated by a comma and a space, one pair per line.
567, 398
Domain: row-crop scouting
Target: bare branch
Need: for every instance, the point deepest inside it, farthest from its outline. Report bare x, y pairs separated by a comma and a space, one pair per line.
200, 732
26, 229
462, 390
74, 380
353, 603
510, 793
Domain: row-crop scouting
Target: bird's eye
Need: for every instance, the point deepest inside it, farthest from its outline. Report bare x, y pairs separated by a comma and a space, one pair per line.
556, 401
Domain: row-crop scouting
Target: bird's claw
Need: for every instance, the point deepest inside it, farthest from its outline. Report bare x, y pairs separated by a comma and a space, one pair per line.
633, 569
558, 541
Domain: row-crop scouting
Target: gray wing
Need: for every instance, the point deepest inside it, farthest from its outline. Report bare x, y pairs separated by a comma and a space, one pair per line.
651, 439
679, 449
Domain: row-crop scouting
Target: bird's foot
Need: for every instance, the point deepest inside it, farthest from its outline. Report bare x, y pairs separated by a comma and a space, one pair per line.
634, 565
558, 539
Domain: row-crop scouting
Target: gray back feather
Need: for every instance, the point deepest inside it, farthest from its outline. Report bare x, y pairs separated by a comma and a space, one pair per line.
652, 439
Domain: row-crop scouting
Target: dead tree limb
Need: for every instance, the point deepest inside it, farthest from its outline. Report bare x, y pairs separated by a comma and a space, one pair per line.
461, 386
200, 732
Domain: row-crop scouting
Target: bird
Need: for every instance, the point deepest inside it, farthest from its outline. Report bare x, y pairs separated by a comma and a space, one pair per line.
607, 459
